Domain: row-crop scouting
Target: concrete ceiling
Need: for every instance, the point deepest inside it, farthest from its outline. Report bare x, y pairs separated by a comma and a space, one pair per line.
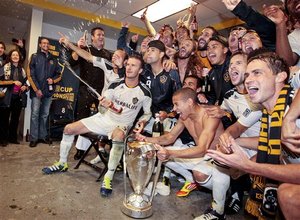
83, 14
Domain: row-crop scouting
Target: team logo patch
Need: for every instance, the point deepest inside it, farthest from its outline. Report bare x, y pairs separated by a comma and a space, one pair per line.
246, 112
135, 100
226, 77
163, 79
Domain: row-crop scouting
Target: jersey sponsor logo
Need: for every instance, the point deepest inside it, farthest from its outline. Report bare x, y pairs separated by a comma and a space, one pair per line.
163, 79
247, 112
125, 104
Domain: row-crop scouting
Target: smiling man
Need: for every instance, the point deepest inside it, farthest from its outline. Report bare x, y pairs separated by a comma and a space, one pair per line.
266, 83
204, 131
250, 41
217, 53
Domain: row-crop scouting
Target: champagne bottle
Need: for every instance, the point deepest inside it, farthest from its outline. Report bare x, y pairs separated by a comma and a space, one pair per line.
194, 25
158, 128
206, 85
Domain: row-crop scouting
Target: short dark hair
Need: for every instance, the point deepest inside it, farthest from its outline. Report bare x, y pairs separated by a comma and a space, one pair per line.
215, 32
137, 57
124, 51
3, 44
219, 38
96, 28
187, 93
238, 53
43, 38
273, 60
194, 77
183, 27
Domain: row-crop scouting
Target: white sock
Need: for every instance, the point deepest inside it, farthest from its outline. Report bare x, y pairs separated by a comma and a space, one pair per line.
65, 146
114, 158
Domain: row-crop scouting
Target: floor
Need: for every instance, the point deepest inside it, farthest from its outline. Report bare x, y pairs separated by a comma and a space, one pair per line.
28, 194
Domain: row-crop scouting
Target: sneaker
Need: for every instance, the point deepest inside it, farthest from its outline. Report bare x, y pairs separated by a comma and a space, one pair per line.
55, 168
233, 207
186, 189
106, 188
164, 188
211, 215
148, 189
95, 160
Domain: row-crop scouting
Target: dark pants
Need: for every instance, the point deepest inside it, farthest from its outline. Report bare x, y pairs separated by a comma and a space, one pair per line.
84, 103
9, 119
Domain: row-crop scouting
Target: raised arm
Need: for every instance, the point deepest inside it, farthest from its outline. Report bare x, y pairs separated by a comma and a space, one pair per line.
265, 28
82, 53
283, 46
152, 32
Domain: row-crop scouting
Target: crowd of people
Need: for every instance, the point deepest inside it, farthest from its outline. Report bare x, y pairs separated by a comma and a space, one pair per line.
229, 105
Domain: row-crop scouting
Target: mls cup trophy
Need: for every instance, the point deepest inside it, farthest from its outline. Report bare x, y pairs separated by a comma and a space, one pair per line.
139, 162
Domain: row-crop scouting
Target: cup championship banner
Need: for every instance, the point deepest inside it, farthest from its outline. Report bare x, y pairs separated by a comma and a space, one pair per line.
62, 110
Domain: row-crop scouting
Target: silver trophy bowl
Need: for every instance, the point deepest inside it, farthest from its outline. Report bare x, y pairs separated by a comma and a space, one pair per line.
139, 162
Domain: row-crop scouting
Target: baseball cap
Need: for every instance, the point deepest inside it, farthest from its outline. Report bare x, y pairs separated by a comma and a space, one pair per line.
220, 39
157, 44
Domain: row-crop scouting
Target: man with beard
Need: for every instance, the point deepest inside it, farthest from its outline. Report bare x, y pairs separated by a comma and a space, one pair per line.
287, 46
94, 76
266, 83
186, 59
217, 53
203, 39
162, 84
250, 41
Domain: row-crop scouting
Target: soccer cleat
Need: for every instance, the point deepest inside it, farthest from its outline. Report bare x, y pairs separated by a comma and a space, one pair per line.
211, 215
186, 189
106, 188
233, 207
55, 168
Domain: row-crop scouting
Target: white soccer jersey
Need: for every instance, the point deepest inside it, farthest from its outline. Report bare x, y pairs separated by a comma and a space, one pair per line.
109, 75
131, 100
240, 106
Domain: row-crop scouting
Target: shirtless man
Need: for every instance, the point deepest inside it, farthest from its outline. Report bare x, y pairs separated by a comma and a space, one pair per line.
203, 129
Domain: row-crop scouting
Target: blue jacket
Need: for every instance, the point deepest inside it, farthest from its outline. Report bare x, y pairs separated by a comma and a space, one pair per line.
42, 67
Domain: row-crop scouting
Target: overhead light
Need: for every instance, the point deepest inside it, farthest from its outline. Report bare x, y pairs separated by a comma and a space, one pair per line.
164, 8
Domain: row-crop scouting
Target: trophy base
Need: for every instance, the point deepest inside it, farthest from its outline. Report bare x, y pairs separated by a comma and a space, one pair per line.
136, 207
